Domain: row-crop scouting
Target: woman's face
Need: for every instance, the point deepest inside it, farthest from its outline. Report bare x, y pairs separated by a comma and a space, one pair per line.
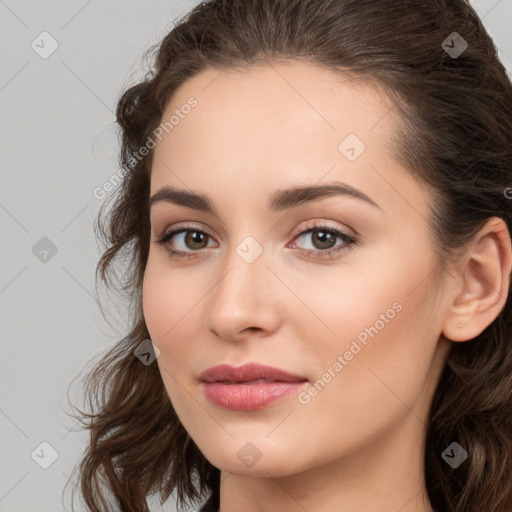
358, 317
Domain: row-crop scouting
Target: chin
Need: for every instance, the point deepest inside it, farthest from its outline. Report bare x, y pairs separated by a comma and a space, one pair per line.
256, 458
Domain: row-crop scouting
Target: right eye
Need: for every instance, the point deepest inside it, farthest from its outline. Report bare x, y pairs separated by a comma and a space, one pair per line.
190, 235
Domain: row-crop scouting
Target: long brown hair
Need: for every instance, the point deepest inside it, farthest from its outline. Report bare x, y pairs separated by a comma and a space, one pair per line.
454, 111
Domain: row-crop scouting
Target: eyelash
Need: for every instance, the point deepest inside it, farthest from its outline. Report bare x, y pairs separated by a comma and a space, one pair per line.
348, 240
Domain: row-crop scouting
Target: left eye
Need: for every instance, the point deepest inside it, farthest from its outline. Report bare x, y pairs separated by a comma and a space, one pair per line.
323, 239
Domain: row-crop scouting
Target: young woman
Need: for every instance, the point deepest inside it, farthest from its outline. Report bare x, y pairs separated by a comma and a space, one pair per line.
316, 214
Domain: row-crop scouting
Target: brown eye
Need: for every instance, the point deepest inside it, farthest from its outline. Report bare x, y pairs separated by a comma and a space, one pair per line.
195, 239
188, 239
323, 240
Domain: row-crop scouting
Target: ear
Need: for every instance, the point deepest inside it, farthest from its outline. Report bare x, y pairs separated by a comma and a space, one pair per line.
484, 279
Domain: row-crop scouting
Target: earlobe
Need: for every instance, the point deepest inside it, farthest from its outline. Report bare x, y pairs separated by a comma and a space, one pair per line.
484, 276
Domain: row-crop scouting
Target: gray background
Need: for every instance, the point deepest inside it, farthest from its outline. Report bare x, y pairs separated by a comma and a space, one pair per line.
58, 143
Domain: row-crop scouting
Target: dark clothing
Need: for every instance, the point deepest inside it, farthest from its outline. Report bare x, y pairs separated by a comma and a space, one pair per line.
212, 504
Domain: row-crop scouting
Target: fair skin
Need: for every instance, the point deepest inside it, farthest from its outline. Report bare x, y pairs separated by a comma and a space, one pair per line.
358, 444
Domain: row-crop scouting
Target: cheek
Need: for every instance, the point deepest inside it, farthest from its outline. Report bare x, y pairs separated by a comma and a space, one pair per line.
385, 333
381, 304
380, 316
167, 297
170, 306
168, 312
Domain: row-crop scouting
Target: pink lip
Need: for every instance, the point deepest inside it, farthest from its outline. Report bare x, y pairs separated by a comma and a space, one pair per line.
234, 388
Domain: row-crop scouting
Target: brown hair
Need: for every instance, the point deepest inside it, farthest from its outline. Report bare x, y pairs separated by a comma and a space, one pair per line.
454, 133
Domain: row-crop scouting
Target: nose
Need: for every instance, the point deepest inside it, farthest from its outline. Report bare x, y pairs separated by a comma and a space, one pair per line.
247, 299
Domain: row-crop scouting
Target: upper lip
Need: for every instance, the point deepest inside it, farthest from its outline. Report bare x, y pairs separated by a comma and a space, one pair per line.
248, 372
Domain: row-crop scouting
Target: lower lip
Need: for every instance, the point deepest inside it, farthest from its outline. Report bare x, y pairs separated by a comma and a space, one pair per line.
248, 397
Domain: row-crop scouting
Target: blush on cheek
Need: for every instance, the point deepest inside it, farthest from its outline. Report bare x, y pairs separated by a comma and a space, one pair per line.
168, 316
164, 304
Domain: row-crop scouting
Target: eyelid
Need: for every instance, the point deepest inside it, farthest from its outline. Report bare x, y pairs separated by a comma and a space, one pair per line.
324, 224
184, 226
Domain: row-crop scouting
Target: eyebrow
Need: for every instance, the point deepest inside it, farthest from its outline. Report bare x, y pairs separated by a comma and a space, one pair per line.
280, 200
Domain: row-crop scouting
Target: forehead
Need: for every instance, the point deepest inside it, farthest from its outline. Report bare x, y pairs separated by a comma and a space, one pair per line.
274, 126
307, 100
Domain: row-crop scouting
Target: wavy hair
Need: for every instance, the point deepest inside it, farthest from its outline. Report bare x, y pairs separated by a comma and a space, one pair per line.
454, 134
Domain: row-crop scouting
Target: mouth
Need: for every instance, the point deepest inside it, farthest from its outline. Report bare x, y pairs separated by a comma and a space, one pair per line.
249, 387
